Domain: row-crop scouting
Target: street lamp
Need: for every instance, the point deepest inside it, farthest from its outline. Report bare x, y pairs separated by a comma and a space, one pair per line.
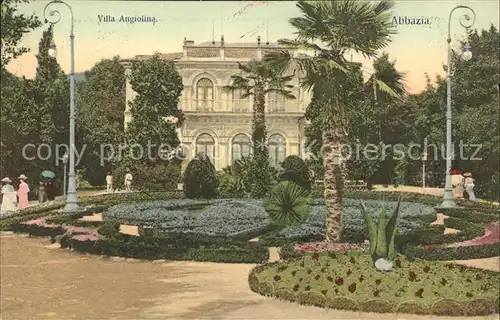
72, 204
65, 162
466, 22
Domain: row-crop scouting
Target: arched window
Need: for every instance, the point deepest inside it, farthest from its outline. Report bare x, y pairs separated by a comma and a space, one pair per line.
276, 102
240, 147
277, 150
240, 104
205, 144
204, 95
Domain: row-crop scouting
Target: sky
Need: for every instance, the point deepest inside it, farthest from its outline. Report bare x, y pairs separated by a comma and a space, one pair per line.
417, 49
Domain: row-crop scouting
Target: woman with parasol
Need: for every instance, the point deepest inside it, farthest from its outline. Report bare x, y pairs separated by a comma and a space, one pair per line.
49, 184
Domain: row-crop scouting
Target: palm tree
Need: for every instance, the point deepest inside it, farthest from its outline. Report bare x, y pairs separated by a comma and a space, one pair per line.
331, 29
257, 79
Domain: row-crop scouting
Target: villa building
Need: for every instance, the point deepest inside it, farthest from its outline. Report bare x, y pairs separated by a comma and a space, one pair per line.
218, 122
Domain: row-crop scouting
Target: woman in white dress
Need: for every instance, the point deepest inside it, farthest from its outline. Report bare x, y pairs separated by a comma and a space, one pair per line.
9, 197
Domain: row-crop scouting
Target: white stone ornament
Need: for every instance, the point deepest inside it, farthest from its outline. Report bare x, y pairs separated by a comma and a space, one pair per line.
383, 264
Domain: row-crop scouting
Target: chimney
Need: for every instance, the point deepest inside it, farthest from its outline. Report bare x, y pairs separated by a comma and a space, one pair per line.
221, 41
185, 40
258, 41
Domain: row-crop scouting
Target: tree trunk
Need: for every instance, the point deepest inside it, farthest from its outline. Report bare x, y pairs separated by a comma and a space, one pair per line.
260, 173
333, 183
259, 133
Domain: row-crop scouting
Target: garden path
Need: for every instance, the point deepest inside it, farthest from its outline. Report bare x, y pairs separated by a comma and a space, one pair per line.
38, 283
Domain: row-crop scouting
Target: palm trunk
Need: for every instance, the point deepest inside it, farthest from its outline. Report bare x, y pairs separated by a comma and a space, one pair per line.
259, 133
260, 174
333, 183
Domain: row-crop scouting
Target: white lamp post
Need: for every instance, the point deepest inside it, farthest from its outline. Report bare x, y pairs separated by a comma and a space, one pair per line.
466, 22
65, 162
72, 204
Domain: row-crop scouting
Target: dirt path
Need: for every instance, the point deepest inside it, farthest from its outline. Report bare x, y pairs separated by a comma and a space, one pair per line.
42, 283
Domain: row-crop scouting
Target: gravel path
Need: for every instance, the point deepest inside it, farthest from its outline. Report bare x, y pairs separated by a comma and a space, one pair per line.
42, 283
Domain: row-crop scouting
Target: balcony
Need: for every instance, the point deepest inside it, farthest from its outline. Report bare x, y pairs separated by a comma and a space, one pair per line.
239, 106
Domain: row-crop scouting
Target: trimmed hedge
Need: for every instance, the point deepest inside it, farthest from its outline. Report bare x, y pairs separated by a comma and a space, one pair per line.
444, 253
158, 248
295, 170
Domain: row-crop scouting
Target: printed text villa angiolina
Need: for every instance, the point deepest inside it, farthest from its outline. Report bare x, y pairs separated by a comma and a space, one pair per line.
106, 18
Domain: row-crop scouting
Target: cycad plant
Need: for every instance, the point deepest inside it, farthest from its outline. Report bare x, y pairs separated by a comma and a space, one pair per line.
382, 236
287, 204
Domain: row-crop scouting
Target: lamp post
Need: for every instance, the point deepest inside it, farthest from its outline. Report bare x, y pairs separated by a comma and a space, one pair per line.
65, 162
72, 204
466, 22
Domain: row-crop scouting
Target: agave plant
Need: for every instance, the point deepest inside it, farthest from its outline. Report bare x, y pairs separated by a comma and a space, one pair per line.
382, 236
287, 204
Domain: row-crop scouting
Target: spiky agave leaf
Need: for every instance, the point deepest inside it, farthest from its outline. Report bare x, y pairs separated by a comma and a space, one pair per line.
381, 238
287, 204
390, 231
372, 230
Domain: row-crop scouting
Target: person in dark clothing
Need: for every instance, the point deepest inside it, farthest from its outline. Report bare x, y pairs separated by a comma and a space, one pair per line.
50, 190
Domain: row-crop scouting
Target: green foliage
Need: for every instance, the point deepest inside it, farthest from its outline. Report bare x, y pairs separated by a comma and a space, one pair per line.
159, 176
34, 111
14, 27
382, 237
235, 179
100, 103
158, 86
200, 178
287, 204
296, 171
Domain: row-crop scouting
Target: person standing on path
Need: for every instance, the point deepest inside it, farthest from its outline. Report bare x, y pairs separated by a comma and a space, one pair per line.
128, 181
9, 197
469, 186
109, 183
42, 196
22, 193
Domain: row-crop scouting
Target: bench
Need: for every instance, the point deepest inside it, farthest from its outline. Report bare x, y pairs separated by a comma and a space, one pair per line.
351, 184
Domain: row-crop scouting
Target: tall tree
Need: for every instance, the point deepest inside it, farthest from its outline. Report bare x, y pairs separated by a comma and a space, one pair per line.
331, 29
14, 27
101, 103
158, 86
52, 97
257, 79
391, 116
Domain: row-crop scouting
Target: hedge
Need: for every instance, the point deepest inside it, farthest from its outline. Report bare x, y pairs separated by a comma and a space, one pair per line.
445, 253
157, 249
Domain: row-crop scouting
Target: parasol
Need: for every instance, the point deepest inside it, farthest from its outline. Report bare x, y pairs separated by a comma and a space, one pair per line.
47, 175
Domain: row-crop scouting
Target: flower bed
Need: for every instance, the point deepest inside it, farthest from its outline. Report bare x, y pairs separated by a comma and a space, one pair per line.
231, 218
39, 227
313, 228
349, 281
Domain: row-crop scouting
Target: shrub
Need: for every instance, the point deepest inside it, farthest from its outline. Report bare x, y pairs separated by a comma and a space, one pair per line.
159, 176
200, 178
231, 186
295, 170
109, 229
287, 204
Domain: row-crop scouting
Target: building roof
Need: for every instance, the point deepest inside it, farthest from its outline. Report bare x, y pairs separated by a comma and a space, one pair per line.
239, 44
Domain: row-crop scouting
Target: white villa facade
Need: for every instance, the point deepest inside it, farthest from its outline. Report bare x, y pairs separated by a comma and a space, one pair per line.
218, 122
